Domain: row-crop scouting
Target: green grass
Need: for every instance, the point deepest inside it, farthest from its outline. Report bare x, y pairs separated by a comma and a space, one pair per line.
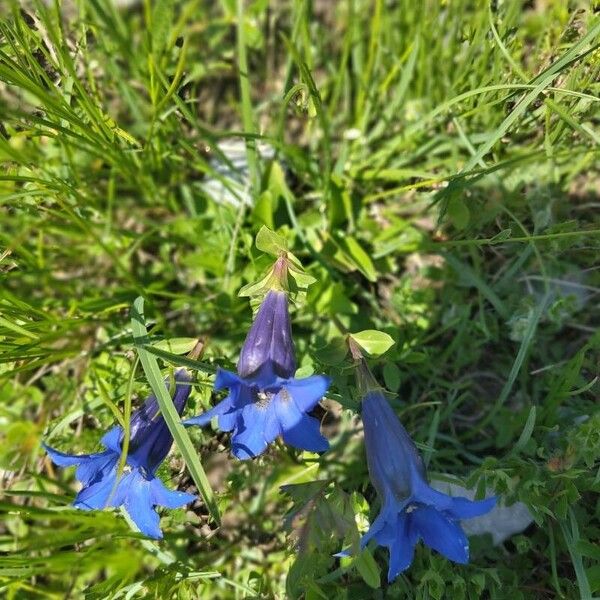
436, 171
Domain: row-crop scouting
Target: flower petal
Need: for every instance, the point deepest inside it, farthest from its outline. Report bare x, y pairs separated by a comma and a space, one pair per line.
298, 429
65, 460
139, 506
226, 379
306, 435
227, 410
441, 533
257, 427
222, 408
96, 467
463, 508
125, 487
269, 339
112, 439
402, 549
91, 468
96, 496
381, 522
456, 507
308, 391
163, 496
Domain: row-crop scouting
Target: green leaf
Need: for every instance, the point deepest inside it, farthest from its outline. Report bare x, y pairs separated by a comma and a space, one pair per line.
181, 345
298, 279
458, 212
391, 376
264, 209
501, 236
333, 353
168, 410
372, 341
256, 287
359, 257
526, 433
368, 568
270, 242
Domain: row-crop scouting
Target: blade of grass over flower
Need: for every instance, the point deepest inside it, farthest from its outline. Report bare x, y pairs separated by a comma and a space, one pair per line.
168, 410
126, 427
180, 361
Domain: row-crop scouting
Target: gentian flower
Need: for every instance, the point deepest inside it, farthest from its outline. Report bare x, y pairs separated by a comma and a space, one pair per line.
138, 489
265, 400
411, 509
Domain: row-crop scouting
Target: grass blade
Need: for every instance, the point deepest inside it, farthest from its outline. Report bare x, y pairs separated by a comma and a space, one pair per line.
168, 410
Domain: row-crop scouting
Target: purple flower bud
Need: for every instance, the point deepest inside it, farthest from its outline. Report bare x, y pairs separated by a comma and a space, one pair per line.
269, 341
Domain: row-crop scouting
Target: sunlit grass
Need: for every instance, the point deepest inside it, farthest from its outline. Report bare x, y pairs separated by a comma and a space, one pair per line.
434, 166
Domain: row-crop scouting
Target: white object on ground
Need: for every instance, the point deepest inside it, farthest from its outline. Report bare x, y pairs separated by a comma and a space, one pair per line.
235, 190
501, 522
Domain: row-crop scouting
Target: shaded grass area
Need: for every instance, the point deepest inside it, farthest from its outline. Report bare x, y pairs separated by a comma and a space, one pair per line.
435, 169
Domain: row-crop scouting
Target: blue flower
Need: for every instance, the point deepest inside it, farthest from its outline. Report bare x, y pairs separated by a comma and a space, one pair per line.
265, 400
411, 509
138, 490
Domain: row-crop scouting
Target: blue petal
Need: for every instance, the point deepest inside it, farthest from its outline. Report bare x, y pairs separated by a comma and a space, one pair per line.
298, 429
463, 508
380, 524
402, 549
440, 533
307, 392
139, 506
379, 530
228, 420
90, 467
269, 339
288, 413
112, 439
226, 379
306, 435
222, 408
126, 487
65, 460
456, 507
240, 395
168, 498
257, 427
96, 467
266, 377
96, 496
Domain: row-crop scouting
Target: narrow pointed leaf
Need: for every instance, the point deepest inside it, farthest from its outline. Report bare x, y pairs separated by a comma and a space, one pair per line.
168, 410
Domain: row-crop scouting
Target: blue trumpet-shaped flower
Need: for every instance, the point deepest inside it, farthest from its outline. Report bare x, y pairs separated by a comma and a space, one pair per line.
265, 400
411, 509
138, 489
